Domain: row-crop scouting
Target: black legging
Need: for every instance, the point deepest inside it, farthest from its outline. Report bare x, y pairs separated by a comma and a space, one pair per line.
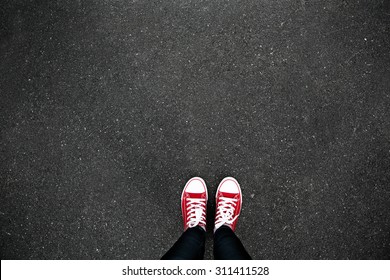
191, 243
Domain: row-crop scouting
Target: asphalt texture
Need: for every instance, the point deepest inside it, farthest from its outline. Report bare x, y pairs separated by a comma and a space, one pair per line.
109, 107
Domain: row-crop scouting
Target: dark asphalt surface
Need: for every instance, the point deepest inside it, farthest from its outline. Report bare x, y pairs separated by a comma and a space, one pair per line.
109, 107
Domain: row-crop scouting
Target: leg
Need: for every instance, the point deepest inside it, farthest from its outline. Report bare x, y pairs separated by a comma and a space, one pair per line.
227, 246
190, 246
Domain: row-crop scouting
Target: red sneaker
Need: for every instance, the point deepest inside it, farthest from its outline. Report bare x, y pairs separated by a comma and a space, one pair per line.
193, 203
228, 203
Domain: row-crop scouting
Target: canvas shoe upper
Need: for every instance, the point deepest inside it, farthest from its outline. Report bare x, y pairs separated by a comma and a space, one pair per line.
193, 203
228, 203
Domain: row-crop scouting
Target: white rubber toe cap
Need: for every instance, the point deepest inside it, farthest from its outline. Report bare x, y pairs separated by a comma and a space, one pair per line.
196, 185
229, 185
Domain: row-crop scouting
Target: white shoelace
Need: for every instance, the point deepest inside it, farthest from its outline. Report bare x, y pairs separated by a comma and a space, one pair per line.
225, 212
196, 209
